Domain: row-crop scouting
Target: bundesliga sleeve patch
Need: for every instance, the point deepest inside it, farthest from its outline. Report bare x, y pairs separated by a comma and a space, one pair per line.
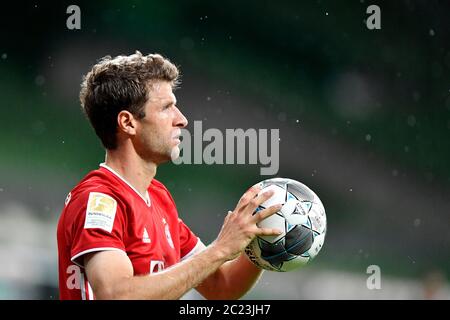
100, 211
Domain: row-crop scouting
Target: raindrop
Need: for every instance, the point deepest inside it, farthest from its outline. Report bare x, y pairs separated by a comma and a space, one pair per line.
39, 80
411, 121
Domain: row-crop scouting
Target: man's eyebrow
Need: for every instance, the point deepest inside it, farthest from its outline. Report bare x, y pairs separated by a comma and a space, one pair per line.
167, 102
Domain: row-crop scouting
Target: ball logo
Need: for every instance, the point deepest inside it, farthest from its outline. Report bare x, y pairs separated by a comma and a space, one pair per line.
299, 209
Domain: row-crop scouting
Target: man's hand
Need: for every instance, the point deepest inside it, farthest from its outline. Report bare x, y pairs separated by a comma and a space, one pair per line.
240, 226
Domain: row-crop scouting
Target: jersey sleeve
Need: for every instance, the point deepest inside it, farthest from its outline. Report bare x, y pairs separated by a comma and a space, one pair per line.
190, 244
97, 226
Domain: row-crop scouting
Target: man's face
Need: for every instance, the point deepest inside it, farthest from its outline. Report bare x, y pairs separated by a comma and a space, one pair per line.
158, 132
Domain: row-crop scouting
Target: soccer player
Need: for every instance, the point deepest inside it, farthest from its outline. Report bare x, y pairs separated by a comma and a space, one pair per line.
119, 234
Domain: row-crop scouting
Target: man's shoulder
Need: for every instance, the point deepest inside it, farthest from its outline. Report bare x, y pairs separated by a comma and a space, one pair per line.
98, 181
160, 188
158, 185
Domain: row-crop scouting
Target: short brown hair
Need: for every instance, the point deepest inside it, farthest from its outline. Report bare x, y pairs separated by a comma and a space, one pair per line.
121, 83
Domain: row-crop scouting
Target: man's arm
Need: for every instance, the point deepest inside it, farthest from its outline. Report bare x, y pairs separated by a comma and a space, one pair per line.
231, 281
110, 273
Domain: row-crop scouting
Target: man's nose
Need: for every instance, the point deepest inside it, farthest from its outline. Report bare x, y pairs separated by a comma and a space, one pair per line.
180, 119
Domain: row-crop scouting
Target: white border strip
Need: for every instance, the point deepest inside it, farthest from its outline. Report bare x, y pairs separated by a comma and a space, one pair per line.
200, 246
82, 287
91, 293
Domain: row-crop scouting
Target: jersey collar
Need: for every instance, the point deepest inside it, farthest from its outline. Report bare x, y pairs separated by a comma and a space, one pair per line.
147, 196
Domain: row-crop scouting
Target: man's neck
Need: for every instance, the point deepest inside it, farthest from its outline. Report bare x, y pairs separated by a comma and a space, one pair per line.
132, 168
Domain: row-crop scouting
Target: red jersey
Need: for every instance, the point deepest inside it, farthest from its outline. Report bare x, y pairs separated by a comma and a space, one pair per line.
104, 212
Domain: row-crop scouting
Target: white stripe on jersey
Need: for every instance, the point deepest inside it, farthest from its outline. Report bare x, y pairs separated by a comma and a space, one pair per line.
198, 247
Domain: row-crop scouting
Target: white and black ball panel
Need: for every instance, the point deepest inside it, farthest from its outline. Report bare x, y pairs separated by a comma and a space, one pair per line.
281, 182
298, 240
274, 221
300, 191
292, 214
318, 222
274, 253
316, 245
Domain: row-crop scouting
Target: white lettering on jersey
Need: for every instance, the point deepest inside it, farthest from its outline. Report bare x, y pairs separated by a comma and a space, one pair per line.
100, 211
73, 281
156, 266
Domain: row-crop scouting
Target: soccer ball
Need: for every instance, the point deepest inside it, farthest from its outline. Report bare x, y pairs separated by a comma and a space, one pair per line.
302, 220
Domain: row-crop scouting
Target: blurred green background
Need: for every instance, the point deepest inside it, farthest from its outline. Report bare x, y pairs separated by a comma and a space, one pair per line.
364, 119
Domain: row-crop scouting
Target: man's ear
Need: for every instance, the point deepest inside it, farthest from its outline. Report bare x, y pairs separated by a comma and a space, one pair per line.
126, 122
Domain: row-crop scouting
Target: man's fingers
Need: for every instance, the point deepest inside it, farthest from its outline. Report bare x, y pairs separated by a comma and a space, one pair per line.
258, 200
268, 232
248, 196
261, 215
